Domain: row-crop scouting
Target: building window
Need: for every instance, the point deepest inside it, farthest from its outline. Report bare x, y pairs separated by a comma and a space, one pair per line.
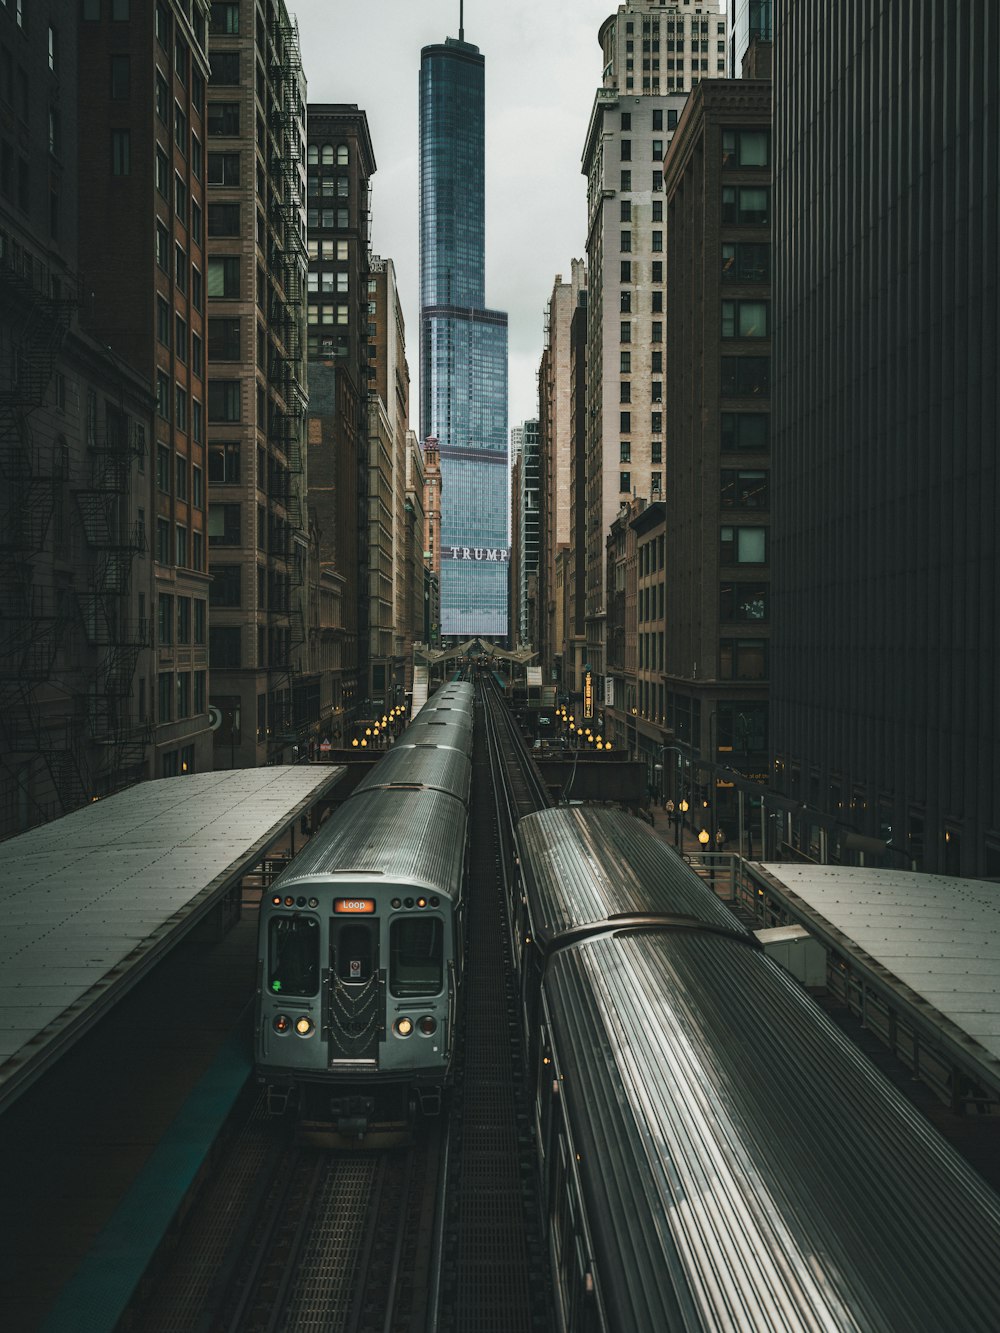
743, 546
163, 541
626, 242
199, 620
743, 601
626, 146
180, 408
223, 219
744, 489
746, 261
626, 331
181, 549
165, 683
625, 482
224, 462
225, 590
655, 482
746, 205
223, 276
224, 400
745, 376
225, 69
223, 525
223, 168
120, 77
225, 21
223, 339
748, 431
746, 148
165, 620
223, 119
121, 153
745, 319
625, 364
743, 659
200, 695
626, 181
224, 646
625, 422
626, 270
163, 321
657, 242
625, 391
163, 395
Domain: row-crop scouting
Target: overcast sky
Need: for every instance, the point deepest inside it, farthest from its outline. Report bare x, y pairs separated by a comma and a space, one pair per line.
543, 65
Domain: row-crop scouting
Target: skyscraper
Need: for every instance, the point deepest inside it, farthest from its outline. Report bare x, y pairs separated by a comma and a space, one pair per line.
463, 346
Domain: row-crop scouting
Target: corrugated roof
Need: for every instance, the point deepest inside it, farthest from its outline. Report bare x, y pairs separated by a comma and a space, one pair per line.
583, 864
743, 1165
398, 835
89, 901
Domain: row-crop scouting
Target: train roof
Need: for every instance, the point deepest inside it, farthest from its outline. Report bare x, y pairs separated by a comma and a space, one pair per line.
710, 1096
395, 834
91, 901
584, 864
422, 764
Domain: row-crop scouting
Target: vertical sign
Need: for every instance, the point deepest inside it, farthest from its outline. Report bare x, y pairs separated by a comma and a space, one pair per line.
588, 694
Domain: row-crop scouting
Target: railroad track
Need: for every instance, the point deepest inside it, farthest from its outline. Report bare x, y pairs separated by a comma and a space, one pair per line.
285, 1237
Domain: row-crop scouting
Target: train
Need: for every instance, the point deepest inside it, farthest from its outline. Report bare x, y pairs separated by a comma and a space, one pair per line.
361, 939
713, 1152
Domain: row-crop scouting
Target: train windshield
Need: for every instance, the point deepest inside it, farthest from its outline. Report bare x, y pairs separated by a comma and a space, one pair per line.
416, 948
293, 955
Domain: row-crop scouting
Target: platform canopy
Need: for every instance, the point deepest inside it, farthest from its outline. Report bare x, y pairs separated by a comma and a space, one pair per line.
471, 648
91, 901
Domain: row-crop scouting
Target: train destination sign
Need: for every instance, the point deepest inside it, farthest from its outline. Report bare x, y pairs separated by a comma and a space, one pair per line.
354, 906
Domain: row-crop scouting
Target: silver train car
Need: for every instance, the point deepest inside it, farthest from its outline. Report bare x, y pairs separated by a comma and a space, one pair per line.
360, 939
715, 1153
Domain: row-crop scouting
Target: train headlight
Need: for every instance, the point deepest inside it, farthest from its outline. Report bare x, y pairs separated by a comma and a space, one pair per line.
282, 1023
403, 1026
428, 1025
304, 1026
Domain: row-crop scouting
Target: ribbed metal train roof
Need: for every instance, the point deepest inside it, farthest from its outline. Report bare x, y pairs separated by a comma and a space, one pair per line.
438, 766
937, 935
395, 833
790, 1186
586, 863
91, 900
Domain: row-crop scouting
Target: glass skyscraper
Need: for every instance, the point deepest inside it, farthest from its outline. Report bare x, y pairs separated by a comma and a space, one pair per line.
463, 346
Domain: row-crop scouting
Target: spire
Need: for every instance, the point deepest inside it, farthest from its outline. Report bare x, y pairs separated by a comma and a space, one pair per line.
461, 20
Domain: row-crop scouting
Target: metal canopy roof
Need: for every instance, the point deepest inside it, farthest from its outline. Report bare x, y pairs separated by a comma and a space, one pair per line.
932, 939
90, 901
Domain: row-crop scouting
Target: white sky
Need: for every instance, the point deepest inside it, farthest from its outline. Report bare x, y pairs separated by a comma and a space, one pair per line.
543, 65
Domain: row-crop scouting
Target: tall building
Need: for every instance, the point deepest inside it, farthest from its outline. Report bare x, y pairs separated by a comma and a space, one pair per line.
717, 503
555, 425
340, 166
749, 20
76, 421
390, 380
255, 289
143, 126
652, 57
463, 345
886, 566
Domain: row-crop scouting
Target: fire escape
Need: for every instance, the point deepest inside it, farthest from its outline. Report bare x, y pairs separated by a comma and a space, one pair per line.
67, 651
117, 637
286, 366
38, 724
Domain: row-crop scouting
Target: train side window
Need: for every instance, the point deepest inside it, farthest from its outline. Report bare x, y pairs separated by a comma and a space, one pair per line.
293, 955
416, 951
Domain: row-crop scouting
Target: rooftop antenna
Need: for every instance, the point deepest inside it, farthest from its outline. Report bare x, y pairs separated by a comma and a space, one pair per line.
461, 20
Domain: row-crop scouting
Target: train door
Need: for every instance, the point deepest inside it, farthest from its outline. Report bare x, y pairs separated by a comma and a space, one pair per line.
357, 1004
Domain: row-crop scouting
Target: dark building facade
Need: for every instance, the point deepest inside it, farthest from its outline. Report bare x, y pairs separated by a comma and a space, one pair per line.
718, 624
143, 215
885, 706
340, 166
463, 346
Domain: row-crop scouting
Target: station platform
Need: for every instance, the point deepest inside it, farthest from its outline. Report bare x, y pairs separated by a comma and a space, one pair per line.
125, 1005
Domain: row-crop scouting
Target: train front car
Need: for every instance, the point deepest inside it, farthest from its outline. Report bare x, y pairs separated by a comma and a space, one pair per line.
360, 949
